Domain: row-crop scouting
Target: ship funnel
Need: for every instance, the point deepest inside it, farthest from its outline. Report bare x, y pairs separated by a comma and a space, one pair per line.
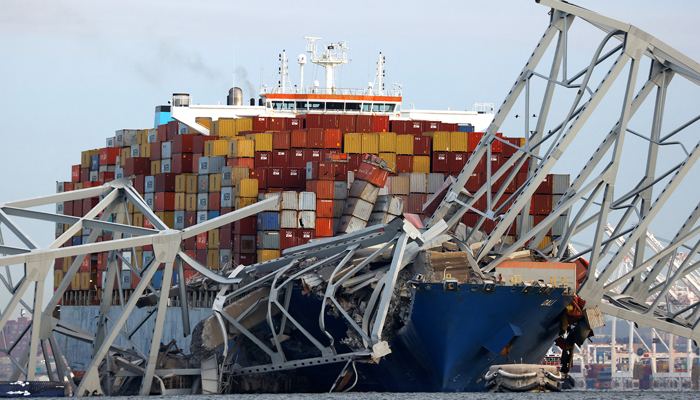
181, 100
235, 97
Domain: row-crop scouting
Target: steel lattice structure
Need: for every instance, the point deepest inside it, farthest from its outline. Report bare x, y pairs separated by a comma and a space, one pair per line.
591, 199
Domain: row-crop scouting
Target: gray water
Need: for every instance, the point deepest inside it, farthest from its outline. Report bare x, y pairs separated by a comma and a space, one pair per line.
568, 395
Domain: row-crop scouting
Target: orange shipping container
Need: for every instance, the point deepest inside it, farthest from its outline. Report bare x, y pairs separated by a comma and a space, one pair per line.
332, 139
325, 189
324, 227
324, 208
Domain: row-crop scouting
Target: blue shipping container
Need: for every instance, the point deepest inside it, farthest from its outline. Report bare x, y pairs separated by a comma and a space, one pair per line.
465, 128
213, 214
95, 163
158, 279
271, 221
77, 240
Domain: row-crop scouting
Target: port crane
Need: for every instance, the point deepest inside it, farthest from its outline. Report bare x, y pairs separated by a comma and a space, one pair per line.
591, 201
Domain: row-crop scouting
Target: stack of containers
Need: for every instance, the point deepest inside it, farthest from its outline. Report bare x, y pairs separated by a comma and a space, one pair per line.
328, 180
372, 175
386, 208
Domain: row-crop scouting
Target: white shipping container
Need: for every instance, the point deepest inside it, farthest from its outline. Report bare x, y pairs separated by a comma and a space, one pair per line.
365, 191
202, 216
271, 240
165, 166
350, 224
396, 205
290, 201
126, 279
555, 201
340, 191
307, 220
358, 208
289, 219
418, 183
111, 142
119, 138
560, 225
166, 150
528, 222
149, 185
351, 178
382, 204
307, 201
226, 179
560, 183
227, 196
203, 202
269, 196
400, 185
152, 135
135, 150
379, 218
434, 182
179, 220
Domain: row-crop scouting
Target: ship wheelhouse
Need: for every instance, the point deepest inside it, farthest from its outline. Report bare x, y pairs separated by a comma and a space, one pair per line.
331, 103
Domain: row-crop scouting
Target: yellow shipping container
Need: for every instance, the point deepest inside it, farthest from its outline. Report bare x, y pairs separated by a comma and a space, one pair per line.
263, 142
180, 201
213, 148
126, 153
244, 124
245, 202
181, 183
267, 255
191, 184
421, 164
67, 262
168, 217
544, 243
190, 202
75, 282
227, 127
387, 142
145, 150
155, 167
86, 156
142, 136
238, 173
214, 128
84, 280
247, 188
214, 183
370, 143
78, 186
391, 157
459, 142
441, 141
213, 239
404, 145
352, 143
137, 219
213, 259
57, 278
204, 121
241, 148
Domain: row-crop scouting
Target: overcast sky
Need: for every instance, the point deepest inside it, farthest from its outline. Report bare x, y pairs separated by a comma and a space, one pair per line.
73, 72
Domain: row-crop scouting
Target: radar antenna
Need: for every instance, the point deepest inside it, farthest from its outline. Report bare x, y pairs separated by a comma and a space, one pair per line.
333, 56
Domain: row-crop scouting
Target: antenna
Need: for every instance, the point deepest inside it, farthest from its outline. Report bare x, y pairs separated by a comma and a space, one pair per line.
333, 56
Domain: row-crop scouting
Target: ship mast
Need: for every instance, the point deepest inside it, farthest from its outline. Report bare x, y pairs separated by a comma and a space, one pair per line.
333, 56
284, 74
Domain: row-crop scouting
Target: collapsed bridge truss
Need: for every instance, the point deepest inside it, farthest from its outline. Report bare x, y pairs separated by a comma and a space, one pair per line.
590, 203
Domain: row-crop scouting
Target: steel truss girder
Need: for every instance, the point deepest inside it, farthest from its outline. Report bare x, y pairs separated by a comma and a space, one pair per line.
38, 262
648, 282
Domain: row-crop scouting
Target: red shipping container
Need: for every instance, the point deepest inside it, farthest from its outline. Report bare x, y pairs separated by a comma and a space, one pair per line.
324, 227
67, 187
225, 238
537, 219
473, 140
445, 127
275, 178
89, 204
156, 150
326, 154
263, 159
457, 162
340, 171
497, 145
372, 174
294, 178
109, 155
149, 225
496, 162
224, 211
139, 183
315, 138
85, 174
280, 158
415, 127
261, 124
314, 155
78, 208
323, 170
314, 121
380, 123
85, 265
421, 145
214, 201
312, 186
346, 123
281, 140
441, 163
324, 208
297, 158
354, 161
433, 126
330, 121
509, 151
201, 256
546, 187
202, 240
277, 124
299, 139
165, 182
190, 219
137, 166
294, 123
305, 235
172, 129
246, 226
199, 141
475, 182
470, 219
162, 132
75, 173
288, 238
400, 127
325, 189
164, 201
246, 162
68, 208
332, 139
182, 163
364, 124
244, 259
190, 245
181, 144
261, 175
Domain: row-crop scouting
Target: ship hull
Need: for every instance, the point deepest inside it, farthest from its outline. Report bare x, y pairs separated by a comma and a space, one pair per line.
447, 344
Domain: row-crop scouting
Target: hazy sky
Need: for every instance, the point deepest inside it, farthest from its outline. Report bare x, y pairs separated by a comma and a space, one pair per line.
73, 72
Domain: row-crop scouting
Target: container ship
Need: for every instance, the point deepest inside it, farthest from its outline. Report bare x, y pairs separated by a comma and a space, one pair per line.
344, 162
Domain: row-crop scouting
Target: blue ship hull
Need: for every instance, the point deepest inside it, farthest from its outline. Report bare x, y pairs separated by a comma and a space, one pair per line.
449, 341
32, 389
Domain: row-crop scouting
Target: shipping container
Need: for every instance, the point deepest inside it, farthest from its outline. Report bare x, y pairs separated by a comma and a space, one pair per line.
358, 208
290, 200
299, 139
352, 143
364, 190
349, 223
404, 145
441, 162
346, 123
421, 164
340, 190
281, 140
315, 138
370, 143
289, 219
307, 220
307, 201
379, 218
288, 238
324, 208
434, 182
441, 141
324, 227
332, 139
400, 185
418, 183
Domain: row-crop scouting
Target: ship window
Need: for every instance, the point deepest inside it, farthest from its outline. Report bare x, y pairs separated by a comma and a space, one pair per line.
377, 107
335, 106
302, 105
389, 107
288, 105
352, 106
276, 105
367, 107
316, 105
